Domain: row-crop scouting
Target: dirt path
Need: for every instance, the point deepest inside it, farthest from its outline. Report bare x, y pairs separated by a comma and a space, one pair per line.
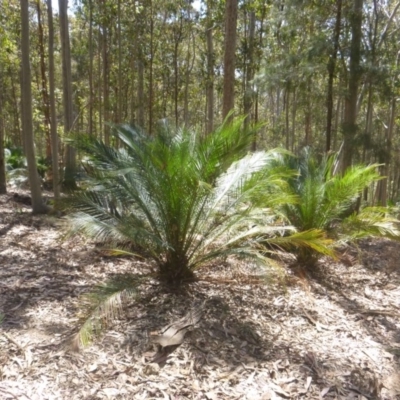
336, 335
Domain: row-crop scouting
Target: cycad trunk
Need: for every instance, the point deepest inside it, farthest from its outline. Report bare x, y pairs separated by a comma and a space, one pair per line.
175, 270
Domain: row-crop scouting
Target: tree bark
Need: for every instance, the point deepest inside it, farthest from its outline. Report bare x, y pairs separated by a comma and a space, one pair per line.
350, 115
331, 76
120, 72
210, 71
52, 99
91, 131
383, 184
151, 69
106, 69
231, 11
3, 180
190, 60
70, 161
38, 206
45, 94
249, 91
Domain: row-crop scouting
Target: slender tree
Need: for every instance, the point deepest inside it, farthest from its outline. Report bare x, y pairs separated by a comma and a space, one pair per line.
38, 206
350, 111
248, 90
70, 157
91, 97
210, 69
43, 83
52, 100
331, 75
3, 181
231, 11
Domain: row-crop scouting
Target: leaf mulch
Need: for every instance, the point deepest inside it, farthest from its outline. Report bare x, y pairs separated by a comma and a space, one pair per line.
332, 335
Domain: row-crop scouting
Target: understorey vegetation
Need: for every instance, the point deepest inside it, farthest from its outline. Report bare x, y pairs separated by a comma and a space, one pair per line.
183, 200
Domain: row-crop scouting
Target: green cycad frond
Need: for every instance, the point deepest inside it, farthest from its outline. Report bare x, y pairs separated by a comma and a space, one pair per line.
102, 306
323, 198
312, 239
172, 196
370, 222
320, 200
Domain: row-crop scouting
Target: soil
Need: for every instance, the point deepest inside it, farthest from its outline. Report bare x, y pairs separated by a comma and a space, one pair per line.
283, 334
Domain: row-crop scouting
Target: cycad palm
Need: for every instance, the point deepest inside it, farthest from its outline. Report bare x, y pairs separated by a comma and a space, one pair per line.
327, 201
180, 200
175, 198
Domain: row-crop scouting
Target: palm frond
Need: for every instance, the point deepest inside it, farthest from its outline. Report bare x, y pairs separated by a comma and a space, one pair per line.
320, 201
370, 222
312, 239
168, 194
102, 306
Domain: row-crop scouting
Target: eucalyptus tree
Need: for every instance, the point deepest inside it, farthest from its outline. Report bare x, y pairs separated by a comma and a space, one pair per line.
350, 111
52, 104
3, 181
70, 154
38, 206
331, 75
210, 67
231, 15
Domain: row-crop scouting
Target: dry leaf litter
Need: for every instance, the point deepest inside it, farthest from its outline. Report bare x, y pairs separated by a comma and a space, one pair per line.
333, 335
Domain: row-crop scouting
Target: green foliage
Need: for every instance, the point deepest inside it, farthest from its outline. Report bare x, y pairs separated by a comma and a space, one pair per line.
15, 158
105, 304
324, 200
182, 201
176, 198
42, 165
17, 167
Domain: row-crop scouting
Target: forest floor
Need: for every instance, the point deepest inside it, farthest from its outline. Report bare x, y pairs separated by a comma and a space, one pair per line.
335, 334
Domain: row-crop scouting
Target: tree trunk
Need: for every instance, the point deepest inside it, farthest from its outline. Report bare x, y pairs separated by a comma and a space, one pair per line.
331, 76
16, 108
53, 116
190, 60
210, 71
38, 206
151, 69
70, 161
3, 180
106, 87
176, 83
231, 11
99, 86
383, 184
249, 91
308, 114
91, 131
43, 89
120, 72
350, 115
286, 108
